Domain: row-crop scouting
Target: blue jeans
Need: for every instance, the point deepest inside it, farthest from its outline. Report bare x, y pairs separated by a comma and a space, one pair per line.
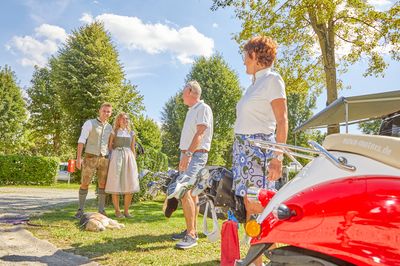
198, 161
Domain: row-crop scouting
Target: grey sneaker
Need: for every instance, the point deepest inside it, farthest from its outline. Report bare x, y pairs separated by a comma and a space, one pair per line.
78, 214
182, 235
187, 242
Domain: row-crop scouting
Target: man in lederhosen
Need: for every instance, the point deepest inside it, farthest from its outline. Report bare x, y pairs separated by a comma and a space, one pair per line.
94, 136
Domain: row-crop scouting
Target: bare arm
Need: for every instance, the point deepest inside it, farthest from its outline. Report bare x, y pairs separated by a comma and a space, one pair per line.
280, 111
86, 128
198, 136
133, 148
279, 108
201, 129
79, 156
111, 141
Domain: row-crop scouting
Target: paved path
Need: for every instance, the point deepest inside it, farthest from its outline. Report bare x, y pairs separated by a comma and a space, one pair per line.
17, 245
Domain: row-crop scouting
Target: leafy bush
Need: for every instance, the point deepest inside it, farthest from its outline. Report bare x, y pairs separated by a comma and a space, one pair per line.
152, 160
27, 170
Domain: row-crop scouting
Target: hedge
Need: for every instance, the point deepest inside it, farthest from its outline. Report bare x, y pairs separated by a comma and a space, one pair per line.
28, 170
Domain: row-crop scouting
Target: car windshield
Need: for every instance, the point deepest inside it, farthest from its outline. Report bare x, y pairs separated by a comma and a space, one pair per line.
63, 167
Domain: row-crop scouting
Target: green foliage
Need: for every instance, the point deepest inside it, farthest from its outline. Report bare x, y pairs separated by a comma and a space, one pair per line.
12, 112
87, 73
370, 127
46, 119
353, 27
221, 91
28, 170
148, 132
142, 195
172, 124
300, 106
152, 160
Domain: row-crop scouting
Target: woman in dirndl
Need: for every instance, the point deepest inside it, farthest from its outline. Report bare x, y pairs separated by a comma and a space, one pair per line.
261, 114
122, 176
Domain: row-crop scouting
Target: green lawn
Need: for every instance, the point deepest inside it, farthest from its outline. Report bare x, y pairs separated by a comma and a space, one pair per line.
146, 239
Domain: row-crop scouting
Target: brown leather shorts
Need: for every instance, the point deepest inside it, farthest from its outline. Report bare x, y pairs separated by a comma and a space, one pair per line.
93, 164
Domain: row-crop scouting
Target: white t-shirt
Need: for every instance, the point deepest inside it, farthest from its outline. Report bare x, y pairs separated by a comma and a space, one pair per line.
198, 114
254, 112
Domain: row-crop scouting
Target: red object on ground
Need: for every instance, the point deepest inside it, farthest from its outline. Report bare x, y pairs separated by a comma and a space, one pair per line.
71, 166
229, 243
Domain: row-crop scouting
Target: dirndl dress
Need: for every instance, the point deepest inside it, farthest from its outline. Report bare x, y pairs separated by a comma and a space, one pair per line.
123, 177
250, 163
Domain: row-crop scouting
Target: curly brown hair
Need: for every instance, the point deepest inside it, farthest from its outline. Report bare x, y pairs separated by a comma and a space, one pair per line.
264, 48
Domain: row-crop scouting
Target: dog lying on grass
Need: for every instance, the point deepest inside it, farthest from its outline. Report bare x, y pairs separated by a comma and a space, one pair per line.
95, 222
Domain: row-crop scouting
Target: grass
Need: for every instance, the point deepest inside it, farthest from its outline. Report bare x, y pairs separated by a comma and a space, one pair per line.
146, 239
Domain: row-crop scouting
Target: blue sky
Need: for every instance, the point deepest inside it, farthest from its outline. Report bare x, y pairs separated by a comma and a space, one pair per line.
156, 41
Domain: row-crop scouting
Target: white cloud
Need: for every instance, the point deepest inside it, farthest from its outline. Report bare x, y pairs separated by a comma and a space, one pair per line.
86, 18
51, 32
184, 43
215, 25
36, 49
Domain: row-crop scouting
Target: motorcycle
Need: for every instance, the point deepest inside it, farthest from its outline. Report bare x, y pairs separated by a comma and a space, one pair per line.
342, 208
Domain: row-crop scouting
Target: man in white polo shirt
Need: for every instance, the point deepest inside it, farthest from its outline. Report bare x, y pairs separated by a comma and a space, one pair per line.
195, 143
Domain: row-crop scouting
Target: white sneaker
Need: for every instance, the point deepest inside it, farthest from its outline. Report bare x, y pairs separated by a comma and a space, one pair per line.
182, 185
201, 182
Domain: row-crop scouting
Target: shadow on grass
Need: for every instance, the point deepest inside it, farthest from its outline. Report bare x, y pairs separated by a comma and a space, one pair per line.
142, 212
137, 243
53, 259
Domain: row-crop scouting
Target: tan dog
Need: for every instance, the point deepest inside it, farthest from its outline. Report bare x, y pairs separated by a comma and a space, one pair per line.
95, 222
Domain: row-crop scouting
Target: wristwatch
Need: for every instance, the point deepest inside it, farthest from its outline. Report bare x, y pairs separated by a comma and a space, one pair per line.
279, 156
188, 153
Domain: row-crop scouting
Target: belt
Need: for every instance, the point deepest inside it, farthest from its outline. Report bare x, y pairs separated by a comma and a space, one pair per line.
89, 155
200, 150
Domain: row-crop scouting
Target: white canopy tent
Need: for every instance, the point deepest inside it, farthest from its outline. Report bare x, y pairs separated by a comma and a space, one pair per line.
349, 110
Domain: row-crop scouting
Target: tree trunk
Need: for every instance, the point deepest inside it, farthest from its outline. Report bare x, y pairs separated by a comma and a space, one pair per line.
326, 38
330, 73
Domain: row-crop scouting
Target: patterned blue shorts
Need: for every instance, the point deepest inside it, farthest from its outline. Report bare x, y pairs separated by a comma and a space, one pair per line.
250, 164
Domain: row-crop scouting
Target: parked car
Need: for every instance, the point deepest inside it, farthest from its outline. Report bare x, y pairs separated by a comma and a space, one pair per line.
63, 174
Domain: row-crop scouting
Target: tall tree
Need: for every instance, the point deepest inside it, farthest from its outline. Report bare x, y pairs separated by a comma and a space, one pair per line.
148, 132
87, 73
46, 115
315, 32
172, 119
221, 90
12, 112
